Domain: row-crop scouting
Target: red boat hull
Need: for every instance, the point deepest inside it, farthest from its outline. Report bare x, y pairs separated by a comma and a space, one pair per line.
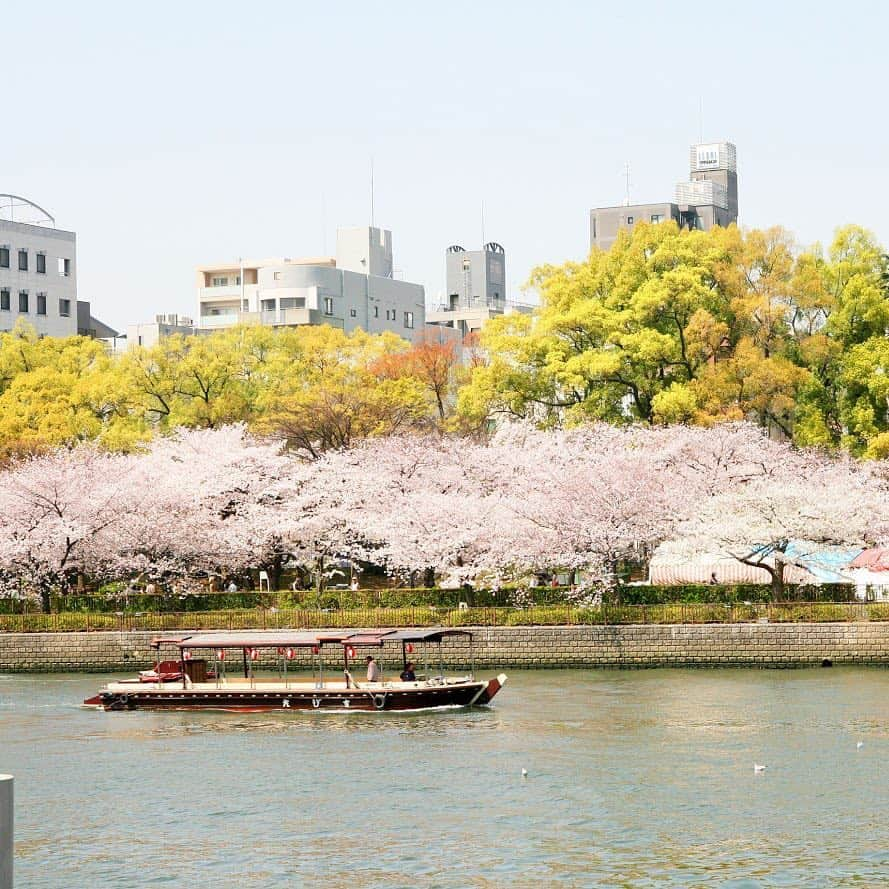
256, 700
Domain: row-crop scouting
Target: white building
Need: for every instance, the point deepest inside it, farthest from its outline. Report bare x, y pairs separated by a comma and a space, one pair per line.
355, 289
38, 270
149, 333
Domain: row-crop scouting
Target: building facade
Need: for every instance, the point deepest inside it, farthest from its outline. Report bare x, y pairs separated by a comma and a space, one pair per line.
38, 270
709, 197
149, 333
354, 289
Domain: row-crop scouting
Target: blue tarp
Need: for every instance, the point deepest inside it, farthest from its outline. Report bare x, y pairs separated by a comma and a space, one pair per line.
826, 563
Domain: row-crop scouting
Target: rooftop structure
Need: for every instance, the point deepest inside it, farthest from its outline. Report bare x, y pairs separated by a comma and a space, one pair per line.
709, 197
476, 289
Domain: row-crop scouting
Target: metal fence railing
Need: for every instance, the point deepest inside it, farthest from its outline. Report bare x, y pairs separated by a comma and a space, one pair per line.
556, 615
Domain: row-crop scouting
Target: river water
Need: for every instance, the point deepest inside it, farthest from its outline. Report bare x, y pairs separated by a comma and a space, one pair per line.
634, 779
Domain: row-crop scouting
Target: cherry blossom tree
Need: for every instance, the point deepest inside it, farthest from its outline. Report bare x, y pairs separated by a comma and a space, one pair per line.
58, 513
822, 501
193, 500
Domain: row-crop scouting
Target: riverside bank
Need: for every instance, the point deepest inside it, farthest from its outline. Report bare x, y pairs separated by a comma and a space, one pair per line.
626, 646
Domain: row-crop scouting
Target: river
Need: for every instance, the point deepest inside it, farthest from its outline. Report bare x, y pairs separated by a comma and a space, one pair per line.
633, 779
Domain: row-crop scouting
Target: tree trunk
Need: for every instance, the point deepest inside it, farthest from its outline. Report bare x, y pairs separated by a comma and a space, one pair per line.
778, 581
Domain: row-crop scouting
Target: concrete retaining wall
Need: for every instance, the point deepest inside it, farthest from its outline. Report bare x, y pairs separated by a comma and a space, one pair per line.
698, 645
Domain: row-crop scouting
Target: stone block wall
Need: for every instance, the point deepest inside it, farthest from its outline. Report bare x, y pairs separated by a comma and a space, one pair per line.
668, 645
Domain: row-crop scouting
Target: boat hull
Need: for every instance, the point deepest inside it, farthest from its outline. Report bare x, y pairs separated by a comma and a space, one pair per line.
259, 700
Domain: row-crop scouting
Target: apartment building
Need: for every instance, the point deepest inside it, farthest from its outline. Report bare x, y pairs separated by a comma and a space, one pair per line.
709, 197
38, 269
354, 289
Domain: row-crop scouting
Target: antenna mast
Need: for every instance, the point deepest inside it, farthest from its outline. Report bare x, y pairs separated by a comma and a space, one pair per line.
627, 177
371, 191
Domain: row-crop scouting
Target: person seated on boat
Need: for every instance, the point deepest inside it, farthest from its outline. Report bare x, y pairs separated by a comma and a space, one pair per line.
373, 670
407, 674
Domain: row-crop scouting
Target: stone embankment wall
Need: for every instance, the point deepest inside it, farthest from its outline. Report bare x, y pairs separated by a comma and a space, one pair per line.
687, 645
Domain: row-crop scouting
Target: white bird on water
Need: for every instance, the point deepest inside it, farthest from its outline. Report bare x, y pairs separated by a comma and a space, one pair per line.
524, 773
859, 745
758, 768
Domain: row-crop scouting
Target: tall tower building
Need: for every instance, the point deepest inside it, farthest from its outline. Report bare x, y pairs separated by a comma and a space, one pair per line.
476, 278
717, 162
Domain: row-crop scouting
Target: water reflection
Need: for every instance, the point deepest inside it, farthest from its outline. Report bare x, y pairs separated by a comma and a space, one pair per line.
635, 779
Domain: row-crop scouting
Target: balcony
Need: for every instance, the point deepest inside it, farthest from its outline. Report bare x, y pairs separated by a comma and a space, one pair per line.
277, 318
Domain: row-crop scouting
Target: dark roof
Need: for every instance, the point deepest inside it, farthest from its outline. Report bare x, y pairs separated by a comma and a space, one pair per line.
307, 638
425, 634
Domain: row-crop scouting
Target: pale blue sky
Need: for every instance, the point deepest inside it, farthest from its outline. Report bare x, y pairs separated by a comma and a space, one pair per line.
171, 134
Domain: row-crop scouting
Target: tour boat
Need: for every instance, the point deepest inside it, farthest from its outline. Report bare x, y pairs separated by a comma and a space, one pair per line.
197, 687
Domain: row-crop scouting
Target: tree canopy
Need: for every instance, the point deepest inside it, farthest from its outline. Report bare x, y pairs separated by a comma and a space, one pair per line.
676, 326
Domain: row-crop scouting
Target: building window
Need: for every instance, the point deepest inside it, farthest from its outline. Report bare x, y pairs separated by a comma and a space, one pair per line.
237, 280
246, 305
267, 305
23, 260
629, 220
64, 267
409, 319
41, 303
4, 257
65, 308
23, 300
277, 276
41, 263
657, 217
220, 282
328, 305
353, 313
376, 311
4, 300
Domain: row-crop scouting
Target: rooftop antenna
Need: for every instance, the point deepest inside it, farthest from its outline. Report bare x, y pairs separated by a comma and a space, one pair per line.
371, 191
627, 177
323, 224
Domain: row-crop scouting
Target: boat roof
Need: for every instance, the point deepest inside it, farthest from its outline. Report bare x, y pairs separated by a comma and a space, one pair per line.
284, 639
306, 639
379, 637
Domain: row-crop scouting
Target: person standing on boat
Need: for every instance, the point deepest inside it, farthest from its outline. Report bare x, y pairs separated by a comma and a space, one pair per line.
408, 675
373, 670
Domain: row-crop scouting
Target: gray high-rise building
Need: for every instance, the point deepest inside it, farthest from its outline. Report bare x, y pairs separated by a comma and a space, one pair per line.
708, 198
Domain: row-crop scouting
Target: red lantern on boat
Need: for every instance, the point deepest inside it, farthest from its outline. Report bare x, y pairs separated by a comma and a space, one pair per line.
254, 654
315, 649
350, 652
281, 650
220, 654
410, 648
186, 655
291, 654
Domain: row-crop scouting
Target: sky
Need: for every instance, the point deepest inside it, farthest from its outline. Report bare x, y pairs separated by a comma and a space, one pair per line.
170, 135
